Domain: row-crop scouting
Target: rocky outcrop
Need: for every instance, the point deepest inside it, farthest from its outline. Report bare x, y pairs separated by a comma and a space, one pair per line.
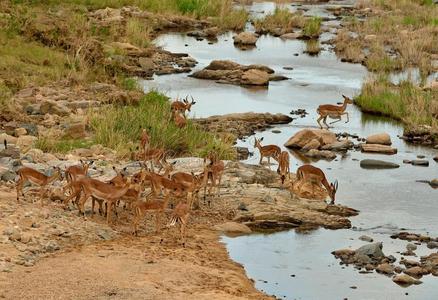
233, 228
306, 136
380, 138
241, 124
376, 148
245, 39
225, 71
377, 164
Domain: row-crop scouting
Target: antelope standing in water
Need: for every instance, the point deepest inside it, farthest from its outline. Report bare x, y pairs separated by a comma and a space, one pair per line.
333, 111
267, 151
316, 176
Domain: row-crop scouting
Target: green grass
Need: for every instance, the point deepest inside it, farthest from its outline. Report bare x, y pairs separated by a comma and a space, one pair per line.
282, 19
405, 102
47, 144
312, 27
119, 128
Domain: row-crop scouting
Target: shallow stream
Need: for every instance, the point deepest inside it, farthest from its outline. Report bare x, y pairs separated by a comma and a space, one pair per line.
388, 200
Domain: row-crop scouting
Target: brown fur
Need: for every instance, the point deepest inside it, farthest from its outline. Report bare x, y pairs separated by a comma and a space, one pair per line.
333, 111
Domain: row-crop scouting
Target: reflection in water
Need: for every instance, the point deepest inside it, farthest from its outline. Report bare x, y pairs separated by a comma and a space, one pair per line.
383, 196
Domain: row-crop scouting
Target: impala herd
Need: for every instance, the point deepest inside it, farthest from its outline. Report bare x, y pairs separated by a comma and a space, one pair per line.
180, 186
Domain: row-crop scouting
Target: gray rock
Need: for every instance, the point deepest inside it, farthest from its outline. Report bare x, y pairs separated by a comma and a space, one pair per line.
11, 151
13, 233
371, 250
377, 164
8, 175
339, 146
104, 234
51, 246
411, 247
432, 245
420, 162
366, 238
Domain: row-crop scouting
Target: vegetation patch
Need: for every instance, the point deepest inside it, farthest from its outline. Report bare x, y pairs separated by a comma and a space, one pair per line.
281, 21
119, 128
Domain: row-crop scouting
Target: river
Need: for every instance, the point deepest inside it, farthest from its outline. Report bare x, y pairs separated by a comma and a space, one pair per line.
388, 200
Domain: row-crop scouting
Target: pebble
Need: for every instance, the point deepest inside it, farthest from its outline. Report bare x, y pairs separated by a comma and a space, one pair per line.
411, 247
51, 246
366, 238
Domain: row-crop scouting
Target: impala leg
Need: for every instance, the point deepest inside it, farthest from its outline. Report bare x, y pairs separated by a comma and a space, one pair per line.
319, 120
261, 158
92, 206
20, 188
324, 120
42, 194
348, 118
108, 212
336, 121
157, 222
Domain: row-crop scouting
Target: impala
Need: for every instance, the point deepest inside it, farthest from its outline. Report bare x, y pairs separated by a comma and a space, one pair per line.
316, 175
141, 207
182, 106
72, 172
192, 183
154, 155
28, 174
283, 166
144, 138
333, 111
179, 119
120, 179
213, 173
267, 151
101, 191
181, 215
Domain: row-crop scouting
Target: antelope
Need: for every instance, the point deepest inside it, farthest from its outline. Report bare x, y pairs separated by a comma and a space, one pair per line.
181, 215
28, 174
154, 155
333, 111
101, 191
118, 180
182, 106
283, 166
141, 207
191, 182
316, 175
160, 183
144, 139
267, 151
179, 119
72, 172
213, 172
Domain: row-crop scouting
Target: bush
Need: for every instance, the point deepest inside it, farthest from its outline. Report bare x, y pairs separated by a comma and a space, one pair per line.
119, 128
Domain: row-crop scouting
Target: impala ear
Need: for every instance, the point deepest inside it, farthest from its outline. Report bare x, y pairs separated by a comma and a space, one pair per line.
345, 97
262, 139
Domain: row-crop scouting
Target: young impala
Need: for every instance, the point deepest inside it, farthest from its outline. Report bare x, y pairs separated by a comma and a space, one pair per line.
28, 174
213, 172
283, 166
181, 215
141, 207
333, 111
315, 175
267, 151
72, 172
182, 106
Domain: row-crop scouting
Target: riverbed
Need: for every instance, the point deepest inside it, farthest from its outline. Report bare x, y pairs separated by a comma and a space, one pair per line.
388, 200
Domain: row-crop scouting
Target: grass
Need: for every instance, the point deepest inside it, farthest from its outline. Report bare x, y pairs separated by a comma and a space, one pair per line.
119, 128
399, 34
232, 20
312, 27
405, 102
281, 20
313, 47
47, 144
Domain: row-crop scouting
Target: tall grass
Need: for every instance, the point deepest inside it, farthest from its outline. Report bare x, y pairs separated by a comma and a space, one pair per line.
405, 102
312, 27
281, 19
119, 128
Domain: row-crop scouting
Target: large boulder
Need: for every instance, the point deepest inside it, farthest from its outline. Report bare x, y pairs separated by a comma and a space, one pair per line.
377, 164
313, 144
303, 137
233, 227
223, 65
373, 251
405, 280
255, 77
377, 148
54, 108
380, 138
245, 38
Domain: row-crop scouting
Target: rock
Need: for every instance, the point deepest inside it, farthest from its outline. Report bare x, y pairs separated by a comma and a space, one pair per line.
371, 250
146, 63
278, 78
13, 233
290, 36
302, 137
104, 234
313, 144
7, 175
76, 130
223, 65
432, 245
11, 151
435, 158
20, 131
420, 162
377, 164
245, 38
380, 138
325, 154
233, 227
434, 182
366, 238
26, 238
416, 272
343, 252
411, 247
242, 153
376, 148
51, 246
404, 279
25, 142
339, 146
255, 77
54, 108
385, 269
